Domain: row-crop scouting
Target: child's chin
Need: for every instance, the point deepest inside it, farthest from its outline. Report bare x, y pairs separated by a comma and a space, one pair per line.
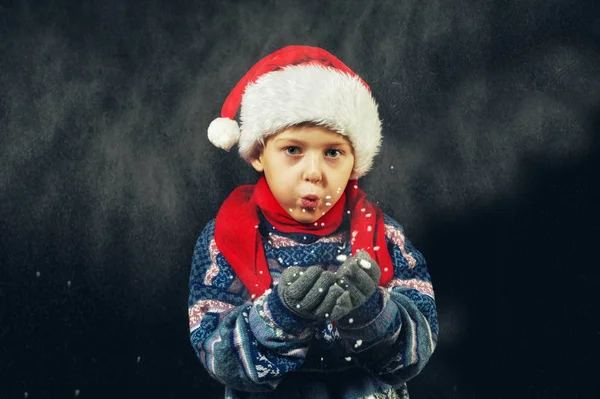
306, 218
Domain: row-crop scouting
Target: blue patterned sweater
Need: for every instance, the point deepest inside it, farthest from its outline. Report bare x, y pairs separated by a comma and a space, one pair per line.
258, 349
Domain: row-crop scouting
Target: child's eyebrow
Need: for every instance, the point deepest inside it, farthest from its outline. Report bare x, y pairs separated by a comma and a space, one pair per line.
301, 142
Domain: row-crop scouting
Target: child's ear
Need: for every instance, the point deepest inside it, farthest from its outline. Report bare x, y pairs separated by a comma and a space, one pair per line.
257, 164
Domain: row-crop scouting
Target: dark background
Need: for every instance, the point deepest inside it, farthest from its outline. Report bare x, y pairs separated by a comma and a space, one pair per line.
491, 116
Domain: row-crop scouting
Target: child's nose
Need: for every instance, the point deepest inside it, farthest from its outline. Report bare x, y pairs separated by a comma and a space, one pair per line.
313, 168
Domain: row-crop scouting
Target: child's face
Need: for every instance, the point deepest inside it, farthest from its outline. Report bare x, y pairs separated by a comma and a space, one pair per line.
307, 169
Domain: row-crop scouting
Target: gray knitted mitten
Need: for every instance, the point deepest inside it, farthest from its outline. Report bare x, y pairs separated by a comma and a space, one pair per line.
306, 291
359, 277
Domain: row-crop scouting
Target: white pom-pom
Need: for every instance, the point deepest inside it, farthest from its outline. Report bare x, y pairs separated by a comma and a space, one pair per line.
224, 133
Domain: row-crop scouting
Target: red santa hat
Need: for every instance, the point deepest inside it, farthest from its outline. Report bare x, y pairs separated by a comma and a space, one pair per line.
299, 84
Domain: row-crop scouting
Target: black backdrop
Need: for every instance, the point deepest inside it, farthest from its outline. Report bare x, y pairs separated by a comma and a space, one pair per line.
490, 160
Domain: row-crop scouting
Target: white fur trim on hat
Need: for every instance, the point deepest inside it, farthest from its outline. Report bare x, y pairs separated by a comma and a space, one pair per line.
223, 133
311, 93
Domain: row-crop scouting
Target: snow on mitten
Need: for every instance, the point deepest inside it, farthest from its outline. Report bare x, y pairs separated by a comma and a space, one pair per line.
359, 277
306, 291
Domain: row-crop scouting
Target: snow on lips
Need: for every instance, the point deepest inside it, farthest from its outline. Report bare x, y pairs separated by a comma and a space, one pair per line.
309, 201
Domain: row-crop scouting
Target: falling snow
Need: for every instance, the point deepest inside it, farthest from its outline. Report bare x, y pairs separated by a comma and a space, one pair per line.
341, 258
365, 264
358, 343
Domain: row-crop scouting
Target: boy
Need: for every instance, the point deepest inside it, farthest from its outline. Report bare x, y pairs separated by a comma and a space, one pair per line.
301, 288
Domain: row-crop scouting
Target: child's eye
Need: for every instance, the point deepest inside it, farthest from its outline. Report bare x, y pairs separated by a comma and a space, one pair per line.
333, 153
292, 150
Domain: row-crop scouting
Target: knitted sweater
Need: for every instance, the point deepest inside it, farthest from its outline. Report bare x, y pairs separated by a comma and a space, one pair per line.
258, 349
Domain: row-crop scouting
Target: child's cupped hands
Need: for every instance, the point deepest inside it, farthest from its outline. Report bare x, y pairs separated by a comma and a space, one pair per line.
314, 293
307, 292
359, 277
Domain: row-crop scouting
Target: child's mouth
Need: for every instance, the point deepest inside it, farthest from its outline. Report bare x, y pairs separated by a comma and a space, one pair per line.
310, 201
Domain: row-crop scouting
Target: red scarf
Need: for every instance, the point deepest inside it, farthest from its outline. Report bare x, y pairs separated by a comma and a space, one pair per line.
238, 238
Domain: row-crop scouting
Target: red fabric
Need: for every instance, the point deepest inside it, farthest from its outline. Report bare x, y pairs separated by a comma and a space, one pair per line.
287, 56
238, 238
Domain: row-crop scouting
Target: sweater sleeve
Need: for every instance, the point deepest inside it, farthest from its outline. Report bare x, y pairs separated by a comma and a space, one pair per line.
395, 332
248, 346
